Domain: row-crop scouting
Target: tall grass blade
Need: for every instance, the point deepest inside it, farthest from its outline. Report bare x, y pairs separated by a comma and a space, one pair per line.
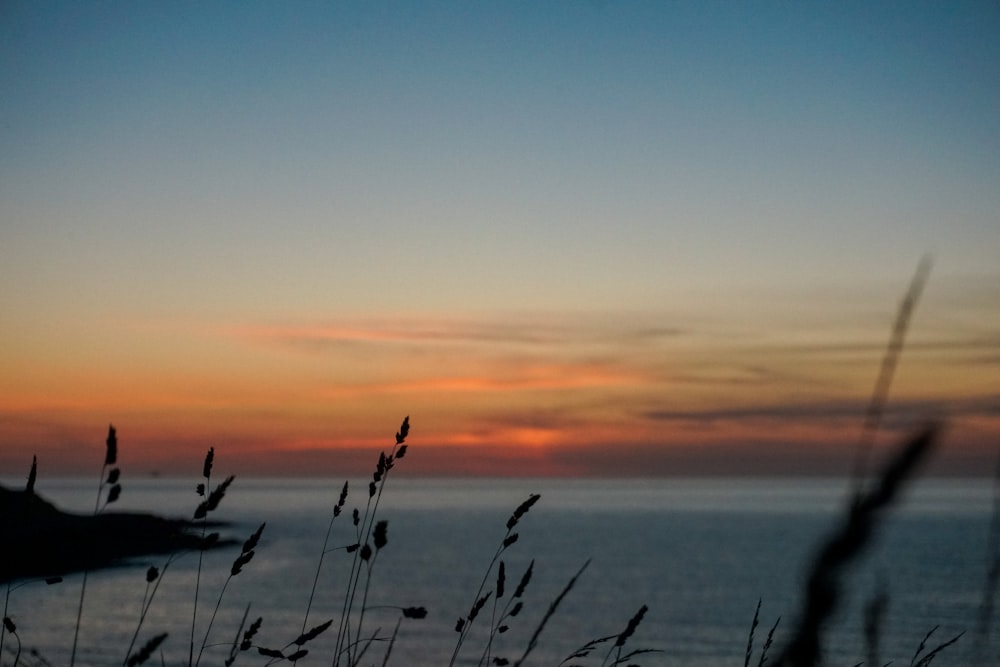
110, 458
880, 393
984, 620
824, 582
753, 628
553, 606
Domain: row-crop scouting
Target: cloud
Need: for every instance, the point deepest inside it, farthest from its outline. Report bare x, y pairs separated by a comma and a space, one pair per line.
512, 376
416, 332
521, 330
738, 375
913, 344
783, 412
852, 409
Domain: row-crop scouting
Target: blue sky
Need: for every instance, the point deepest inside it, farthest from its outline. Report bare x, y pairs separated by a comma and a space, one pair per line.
721, 168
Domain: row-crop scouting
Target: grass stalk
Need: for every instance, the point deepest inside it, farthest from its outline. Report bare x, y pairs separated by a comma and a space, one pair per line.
110, 458
153, 579
207, 474
235, 646
753, 628
767, 643
9, 625
211, 621
984, 619
501, 579
510, 537
875, 612
3, 626
246, 555
364, 527
211, 501
624, 636
823, 588
369, 566
824, 582
392, 642
549, 613
880, 392
337, 509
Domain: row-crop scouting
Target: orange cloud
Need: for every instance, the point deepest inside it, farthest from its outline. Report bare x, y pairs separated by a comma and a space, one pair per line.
596, 394
520, 378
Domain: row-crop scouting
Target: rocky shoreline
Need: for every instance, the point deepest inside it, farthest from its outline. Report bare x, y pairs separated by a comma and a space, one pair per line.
39, 540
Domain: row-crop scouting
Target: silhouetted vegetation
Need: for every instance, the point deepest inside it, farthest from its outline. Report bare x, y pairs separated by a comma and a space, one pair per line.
493, 602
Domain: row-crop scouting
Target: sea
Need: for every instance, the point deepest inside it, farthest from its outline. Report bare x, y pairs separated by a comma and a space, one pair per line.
699, 554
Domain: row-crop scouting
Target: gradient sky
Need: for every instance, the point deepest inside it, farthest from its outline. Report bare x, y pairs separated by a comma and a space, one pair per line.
590, 238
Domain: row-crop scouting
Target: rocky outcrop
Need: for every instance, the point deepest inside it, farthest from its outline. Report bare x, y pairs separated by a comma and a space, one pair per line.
39, 540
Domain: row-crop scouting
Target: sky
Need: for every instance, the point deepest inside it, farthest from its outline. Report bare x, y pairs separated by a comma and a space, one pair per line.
565, 238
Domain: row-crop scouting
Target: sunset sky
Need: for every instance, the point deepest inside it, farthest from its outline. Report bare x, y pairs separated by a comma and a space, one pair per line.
587, 238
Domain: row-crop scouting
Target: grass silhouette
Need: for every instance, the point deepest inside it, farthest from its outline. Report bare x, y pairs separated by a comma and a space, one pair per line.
114, 491
355, 645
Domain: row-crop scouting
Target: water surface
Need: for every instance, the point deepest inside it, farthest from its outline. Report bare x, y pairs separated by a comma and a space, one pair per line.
699, 553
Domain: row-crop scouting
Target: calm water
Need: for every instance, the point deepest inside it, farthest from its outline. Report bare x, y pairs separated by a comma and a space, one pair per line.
699, 552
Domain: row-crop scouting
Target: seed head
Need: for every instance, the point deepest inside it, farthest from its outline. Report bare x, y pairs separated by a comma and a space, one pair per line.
381, 539
525, 578
206, 470
30, 488
414, 612
240, 561
478, 607
251, 542
633, 623
249, 634
404, 430
521, 510
114, 492
111, 454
